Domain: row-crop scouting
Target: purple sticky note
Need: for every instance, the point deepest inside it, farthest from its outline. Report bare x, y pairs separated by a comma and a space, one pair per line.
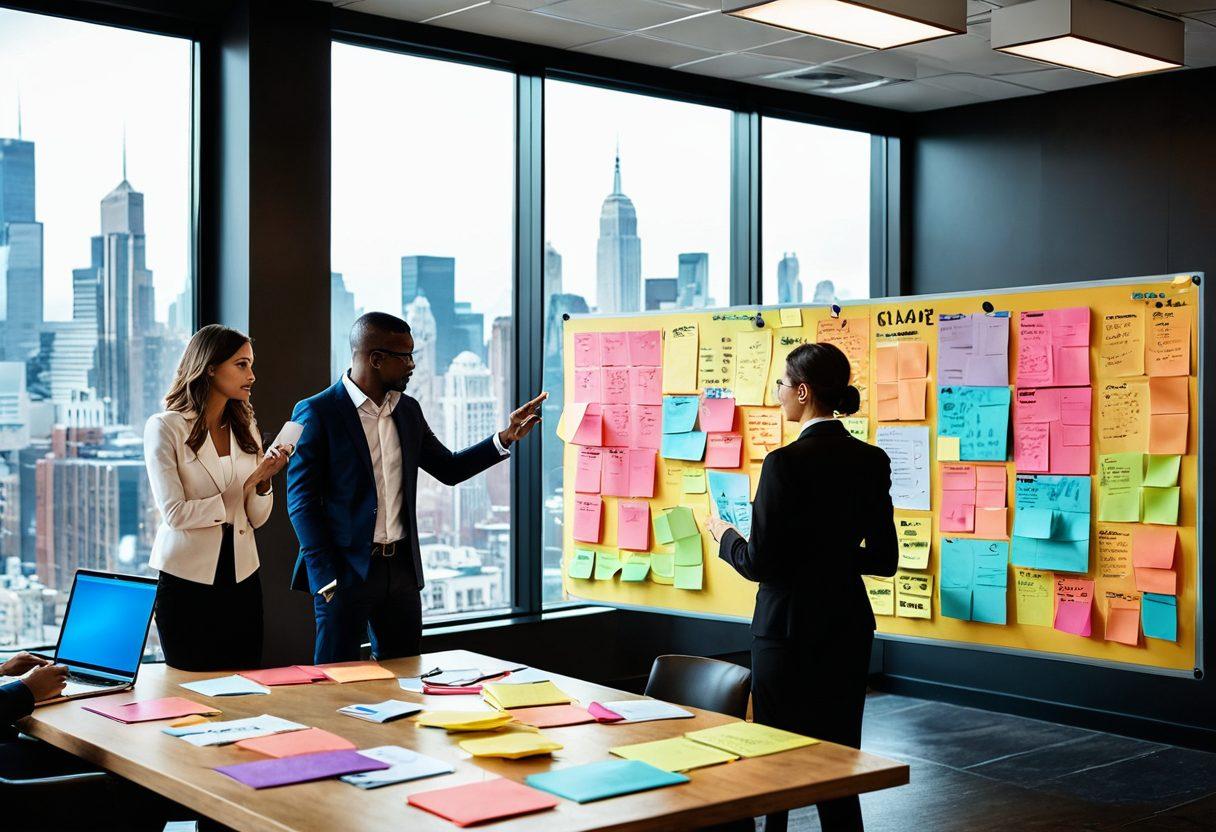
301, 768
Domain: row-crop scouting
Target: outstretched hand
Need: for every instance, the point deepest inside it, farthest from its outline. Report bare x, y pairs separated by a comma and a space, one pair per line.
522, 421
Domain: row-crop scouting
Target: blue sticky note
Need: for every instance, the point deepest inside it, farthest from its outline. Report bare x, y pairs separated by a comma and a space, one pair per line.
956, 561
1159, 616
608, 778
988, 604
1033, 522
689, 446
731, 493
956, 602
679, 413
979, 417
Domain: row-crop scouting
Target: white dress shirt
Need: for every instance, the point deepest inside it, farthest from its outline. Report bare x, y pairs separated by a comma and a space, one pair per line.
813, 421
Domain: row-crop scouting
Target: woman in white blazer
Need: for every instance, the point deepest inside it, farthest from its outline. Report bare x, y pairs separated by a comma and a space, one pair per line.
212, 485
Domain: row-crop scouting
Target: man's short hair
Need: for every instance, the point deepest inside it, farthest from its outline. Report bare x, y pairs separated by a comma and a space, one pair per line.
370, 331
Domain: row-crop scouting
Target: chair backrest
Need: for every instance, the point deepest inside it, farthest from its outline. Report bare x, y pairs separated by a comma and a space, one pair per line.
698, 682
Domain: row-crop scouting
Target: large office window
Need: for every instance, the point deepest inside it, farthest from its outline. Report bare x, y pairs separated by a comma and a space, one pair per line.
422, 222
637, 217
96, 299
815, 193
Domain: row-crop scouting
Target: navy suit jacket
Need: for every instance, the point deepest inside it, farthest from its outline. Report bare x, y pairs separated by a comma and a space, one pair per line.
16, 701
331, 492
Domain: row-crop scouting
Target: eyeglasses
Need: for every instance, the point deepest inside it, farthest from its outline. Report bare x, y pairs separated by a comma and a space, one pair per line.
404, 356
778, 384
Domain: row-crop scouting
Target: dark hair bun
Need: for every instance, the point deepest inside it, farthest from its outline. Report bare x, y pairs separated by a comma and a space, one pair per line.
850, 400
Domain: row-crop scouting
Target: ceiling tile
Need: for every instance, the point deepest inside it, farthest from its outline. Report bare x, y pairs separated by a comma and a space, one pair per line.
719, 33
703, 5
414, 10
741, 65
514, 24
643, 50
887, 64
810, 50
967, 53
911, 96
527, 5
1200, 47
1179, 6
1048, 79
626, 15
989, 89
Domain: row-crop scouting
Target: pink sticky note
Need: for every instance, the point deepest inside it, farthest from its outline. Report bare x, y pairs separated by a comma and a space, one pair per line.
717, 414
587, 349
958, 478
591, 430
587, 511
724, 450
641, 472
587, 385
169, 707
1036, 404
1065, 458
1071, 365
614, 348
646, 427
616, 425
633, 525
1030, 447
646, 385
292, 675
646, 348
990, 488
1074, 617
587, 475
1034, 362
602, 714
958, 511
1070, 326
614, 481
616, 385
1154, 546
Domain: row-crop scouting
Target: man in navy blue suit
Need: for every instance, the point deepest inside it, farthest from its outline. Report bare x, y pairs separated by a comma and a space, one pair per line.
351, 494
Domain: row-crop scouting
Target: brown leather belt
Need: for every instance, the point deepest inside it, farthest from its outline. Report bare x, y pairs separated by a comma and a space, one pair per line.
385, 550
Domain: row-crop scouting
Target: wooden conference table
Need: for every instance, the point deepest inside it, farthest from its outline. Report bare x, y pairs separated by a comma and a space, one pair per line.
183, 773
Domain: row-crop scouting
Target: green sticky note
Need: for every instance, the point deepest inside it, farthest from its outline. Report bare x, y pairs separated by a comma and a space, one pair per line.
581, 564
662, 566
694, 481
1120, 478
688, 551
683, 524
1162, 470
1161, 505
662, 529
689, 577
636, 568
607, 564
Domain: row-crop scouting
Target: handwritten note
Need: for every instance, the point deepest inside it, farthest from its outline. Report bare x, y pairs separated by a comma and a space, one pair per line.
645, 348
679, 413
680, 359
641, 472
1120, 479
646, 385
852, 336
1074, 606
974, 579
1051, 523
1053, 348
784, 344
633, 525
716, 365
724, 450
978, 417
616, 421
1051, 428
1034, 599
973, 349
615, 385
881, 592
755, 351
717, 414
587, 349
762, 427
646, 426
731, 494
913, 595
1123, 410
914, 535
587, 473
857, 426
1114, 553
908, 448
581, 564
687, 446
587, 511
587, 385
614, 349
1121, 348
1168, 349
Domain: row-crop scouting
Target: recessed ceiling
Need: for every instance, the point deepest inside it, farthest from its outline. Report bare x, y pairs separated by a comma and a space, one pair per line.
694, 36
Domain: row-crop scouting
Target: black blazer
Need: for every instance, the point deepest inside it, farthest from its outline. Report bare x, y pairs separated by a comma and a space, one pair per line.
16, 701
817, 500
331, 491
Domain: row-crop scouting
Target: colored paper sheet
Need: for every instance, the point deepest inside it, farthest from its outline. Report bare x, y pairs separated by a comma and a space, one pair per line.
662, 528
912, 392
908, 448
785, 343
587, 349
716, 414
750, 739
615, 385
645, 348
587, 471
990, 487
1161, 581
614, 349
1051, 523
637, 710
755, 351
636, 568
1123, 620
682, 522
857, 426
687, 446
641, 472
633, 525
646, 385
532, 695
887, 401
607, 778
646, 426
1169, 409
607, 564
1161, 505
1168, 342
973, 349
974, 579
1034, 600
881, 592
570, 421
1074, 606
914, 535
724, 450
992, 523
193, 719
694, 481
552, 716
949, 448
913, 595
731, 494
1159, 616
913, 359
614, 478
581, 564
886, 363
852, 337
1154, 547
482, 801
616, 425
1053, 348
1121, 344
590, 430
1161, 470
343, 672
679, 413
689, 551
1119, 482
513, 746
235, 685
1123, 414
308, 741
588, 385
1051, 429
1114, 552
454, 721
233, 730
680, 359
301, 768
587, 511
762, 426
716, 364
404, 766
791, 318
690, 577
274, 676
978, 417
169, 707
675, 754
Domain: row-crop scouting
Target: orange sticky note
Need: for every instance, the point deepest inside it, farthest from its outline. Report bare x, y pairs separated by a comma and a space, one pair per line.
1160, 581
482, 801
886, 359
1167, 433
193, 719
342, 672
291, 743
912, 399
991, 523
888, 402
1123, 622
913, 359
1154, 547
1169, 394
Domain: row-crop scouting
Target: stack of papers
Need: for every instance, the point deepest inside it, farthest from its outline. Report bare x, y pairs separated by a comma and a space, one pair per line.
524, 676
293, 743
484, 801
749, 739
233, 730
343, 672
170, 707
636, 710
235, 685
464, 720
610, 778
528, 695
303, 768
294, 675
677, 754
405, 765
385, 711
512, 746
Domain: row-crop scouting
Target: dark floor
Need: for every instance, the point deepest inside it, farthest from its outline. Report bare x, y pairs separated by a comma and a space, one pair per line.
976, 770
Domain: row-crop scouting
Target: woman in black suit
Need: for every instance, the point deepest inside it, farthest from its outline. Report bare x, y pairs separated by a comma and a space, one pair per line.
818, 500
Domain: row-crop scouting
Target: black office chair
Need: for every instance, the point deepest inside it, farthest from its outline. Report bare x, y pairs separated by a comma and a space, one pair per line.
698, 682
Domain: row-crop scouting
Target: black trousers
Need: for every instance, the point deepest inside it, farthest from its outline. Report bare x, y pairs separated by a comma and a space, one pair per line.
386, 608
816, 687
215, 626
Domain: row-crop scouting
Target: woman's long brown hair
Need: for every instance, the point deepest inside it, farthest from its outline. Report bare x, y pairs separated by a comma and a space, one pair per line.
211, 346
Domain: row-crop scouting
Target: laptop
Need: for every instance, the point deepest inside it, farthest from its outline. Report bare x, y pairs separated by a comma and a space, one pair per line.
104, 630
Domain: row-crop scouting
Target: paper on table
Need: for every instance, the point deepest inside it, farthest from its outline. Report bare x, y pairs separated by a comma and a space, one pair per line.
1168, 342
405, 765
750, 739
680, 359
1034, 604
675, 754
289, 435
914, 535
881, 592
645, 347
1121, 348
234, 730
1074, 606
308, 741
973, 349
751, 371
978, 417
908, 449
724, 450
453, 721
169, 707
552, 716
687, 446
484, 800
607, 778
646, 385
633, 525
302, 768
1159, 616
587, 510
716, 414
525, 696
381, 712
293, 675
234, 685
513, 746
344, 672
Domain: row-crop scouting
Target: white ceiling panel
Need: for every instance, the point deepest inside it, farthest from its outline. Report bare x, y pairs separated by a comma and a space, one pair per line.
741, 65
1048, 79
626, 15
414, 10
912, 97
719, 33
990, 89
809, 50
643, 50
515, 24
888, 64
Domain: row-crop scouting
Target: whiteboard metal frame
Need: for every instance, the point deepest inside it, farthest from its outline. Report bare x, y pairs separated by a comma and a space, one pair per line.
1196, 279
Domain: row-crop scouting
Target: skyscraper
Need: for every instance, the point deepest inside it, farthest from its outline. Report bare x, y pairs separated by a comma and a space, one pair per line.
422, 384
14, 407
553, 270
618, 282
436, 278
342, 316
469, 415
692, 281
20, 252
789, 287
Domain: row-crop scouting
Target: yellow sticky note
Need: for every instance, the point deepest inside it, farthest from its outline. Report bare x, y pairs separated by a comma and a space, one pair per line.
913, 534
680, 359
857, 426
677, 754
913, 595
882, 594
464, 720
750, 739
512, 746
1121, 344
948, 449
755, 351
193, 719
1034, 591
694, 481
791, 317
531, 695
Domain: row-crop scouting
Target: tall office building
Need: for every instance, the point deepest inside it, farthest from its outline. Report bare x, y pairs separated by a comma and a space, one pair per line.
789, 287
342, 316
469, 415
436, 278
501, 334
692, 281
20, 252
14, 407
825, 292
470, 327
553, 270
618, 280
661, 292
10, 511
422, 384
